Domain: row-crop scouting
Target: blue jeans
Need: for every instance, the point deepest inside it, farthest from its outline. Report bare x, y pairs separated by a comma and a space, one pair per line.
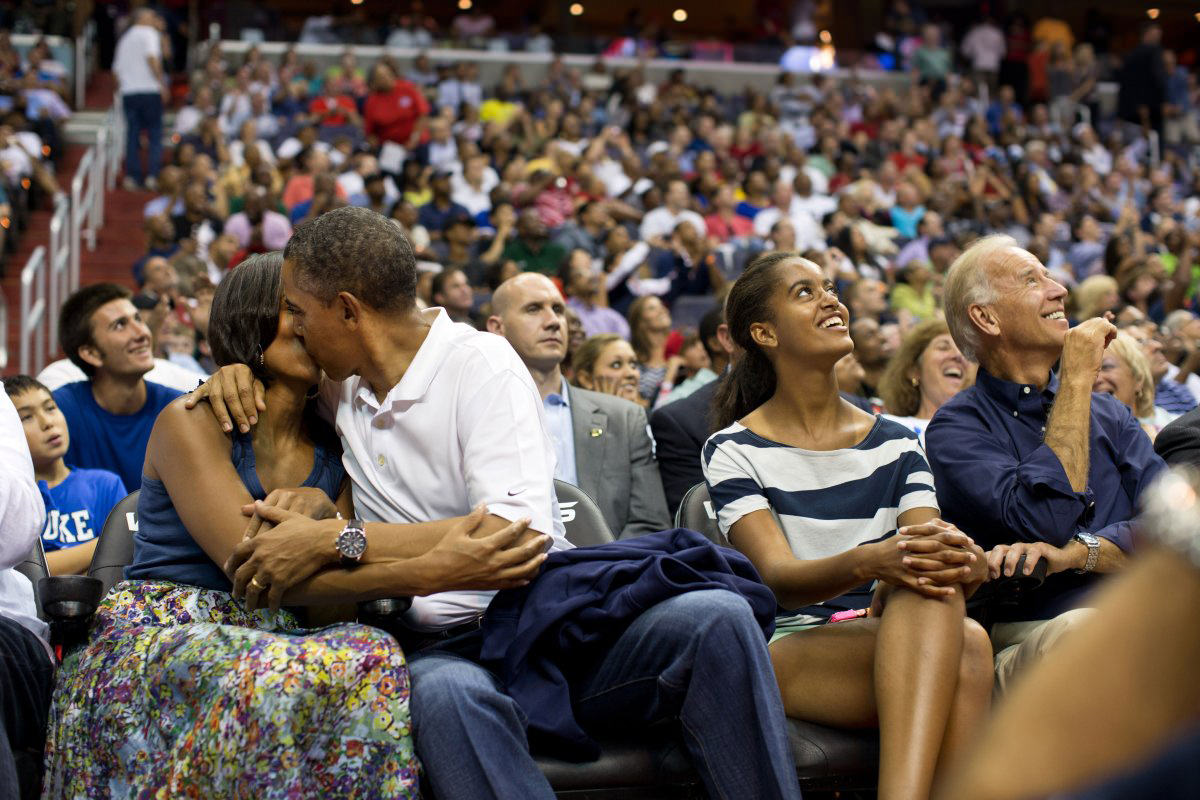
699, 657
143, 112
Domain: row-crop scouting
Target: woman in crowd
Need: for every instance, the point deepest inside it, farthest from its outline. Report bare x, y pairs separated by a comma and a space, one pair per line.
1125, 374
606, 363
825, 499
649, 332
183, 689
1096, 295
926, 371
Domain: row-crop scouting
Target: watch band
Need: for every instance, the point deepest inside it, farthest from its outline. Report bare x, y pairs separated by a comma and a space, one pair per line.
1093, 556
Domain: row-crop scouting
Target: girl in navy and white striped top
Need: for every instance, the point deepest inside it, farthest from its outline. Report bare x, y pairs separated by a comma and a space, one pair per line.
824, 501
827, 500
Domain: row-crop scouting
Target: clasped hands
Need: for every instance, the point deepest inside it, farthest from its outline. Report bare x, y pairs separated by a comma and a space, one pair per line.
933, 559
291, 536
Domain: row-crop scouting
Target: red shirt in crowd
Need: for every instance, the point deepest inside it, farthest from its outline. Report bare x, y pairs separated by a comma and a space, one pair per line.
391, 116
723, 231
324, 103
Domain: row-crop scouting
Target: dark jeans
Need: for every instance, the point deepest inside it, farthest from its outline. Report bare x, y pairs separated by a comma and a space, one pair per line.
143, 112
26, 678
698, 658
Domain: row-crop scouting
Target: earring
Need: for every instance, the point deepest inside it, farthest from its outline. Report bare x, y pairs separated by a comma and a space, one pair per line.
915, 382
262, 363
314, 394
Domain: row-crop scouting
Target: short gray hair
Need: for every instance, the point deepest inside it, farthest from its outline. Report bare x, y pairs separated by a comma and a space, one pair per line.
967, 284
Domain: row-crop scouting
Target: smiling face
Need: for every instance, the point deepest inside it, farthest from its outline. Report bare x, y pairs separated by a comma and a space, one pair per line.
121, 343
1116, 378
941, 371
1029, 312
45, 427
809, 321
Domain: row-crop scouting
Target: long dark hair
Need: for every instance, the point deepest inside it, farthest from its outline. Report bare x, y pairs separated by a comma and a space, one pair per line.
245, 313
751, 378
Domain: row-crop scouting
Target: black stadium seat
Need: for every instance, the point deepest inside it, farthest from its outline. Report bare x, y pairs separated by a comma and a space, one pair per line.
34, 568
114, 550
582, 518
696, 513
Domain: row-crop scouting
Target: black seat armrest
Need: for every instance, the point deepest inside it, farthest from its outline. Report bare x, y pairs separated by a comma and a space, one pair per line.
1006, 591
69, 601
384, 613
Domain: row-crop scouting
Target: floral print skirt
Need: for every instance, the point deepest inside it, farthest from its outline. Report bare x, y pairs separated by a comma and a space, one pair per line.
182, 692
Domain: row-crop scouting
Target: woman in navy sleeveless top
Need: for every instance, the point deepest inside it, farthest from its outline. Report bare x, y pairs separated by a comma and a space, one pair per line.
183, 690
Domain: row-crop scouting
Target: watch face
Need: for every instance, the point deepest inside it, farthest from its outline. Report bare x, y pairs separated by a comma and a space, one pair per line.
352, 543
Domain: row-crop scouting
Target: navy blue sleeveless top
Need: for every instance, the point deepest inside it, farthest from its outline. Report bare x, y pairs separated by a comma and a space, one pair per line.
164, 550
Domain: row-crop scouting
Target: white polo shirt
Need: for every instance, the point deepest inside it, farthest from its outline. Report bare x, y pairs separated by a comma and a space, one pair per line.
464, 426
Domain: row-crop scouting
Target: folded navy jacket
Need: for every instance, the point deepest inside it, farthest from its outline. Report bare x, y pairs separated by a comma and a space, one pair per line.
532, 638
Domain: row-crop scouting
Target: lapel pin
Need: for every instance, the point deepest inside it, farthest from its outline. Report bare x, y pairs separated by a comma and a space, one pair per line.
594, 432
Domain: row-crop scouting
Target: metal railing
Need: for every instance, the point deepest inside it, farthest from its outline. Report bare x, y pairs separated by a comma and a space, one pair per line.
59, 273
87, 192
33, 313
49, 277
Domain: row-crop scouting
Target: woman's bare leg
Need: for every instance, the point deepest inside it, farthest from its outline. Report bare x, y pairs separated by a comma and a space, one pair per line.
899, 671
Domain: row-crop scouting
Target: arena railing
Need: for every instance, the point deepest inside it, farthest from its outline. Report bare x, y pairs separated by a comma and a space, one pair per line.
723, 76
50, 275
33, 312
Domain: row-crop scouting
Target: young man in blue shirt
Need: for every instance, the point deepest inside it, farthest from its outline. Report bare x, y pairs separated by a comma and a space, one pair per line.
110, 415
1028, 462
77, 500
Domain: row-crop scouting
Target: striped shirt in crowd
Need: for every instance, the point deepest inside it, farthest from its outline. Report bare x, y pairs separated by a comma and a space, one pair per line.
825, 502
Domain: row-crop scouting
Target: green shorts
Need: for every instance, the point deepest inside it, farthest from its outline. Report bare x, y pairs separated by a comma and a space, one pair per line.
786, 626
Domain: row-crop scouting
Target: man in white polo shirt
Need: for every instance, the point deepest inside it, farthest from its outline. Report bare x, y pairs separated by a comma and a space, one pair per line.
437, 418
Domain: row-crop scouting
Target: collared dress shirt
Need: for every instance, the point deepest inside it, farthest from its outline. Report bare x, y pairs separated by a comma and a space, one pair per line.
562, 434
1000, 482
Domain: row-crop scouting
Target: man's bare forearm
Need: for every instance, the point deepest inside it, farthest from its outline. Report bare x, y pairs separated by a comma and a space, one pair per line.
393, 541
1068, 429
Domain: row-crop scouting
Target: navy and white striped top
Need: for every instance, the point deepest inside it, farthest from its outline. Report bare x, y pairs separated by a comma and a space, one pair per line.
825, 501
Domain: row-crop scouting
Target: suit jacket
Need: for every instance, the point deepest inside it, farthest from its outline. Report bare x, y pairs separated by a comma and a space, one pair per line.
1179, 442
614, 461
680, 430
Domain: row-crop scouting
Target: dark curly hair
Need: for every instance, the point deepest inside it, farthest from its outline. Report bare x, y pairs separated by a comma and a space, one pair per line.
358, 251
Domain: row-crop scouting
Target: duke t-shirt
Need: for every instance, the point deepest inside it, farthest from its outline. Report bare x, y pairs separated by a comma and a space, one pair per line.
102, 440
77, 508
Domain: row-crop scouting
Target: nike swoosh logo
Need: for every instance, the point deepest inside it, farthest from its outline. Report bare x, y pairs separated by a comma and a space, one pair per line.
514, 493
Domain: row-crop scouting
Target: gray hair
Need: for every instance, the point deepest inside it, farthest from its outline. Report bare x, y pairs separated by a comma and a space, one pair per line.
967, 284
1177, 319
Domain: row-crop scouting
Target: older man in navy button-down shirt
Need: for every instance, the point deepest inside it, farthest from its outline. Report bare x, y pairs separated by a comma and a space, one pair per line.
1027, 462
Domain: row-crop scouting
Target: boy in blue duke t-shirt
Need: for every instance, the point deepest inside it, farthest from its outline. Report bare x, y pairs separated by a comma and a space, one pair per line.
77, 500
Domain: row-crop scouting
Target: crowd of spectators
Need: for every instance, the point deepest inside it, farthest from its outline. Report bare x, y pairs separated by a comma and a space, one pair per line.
597, 222
34, 105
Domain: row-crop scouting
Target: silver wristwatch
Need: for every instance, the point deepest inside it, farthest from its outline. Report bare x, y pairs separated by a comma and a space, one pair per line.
351, 543
1092, 542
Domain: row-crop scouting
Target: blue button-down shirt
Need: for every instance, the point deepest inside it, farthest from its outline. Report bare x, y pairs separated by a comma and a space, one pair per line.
1000, 482
562, 434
